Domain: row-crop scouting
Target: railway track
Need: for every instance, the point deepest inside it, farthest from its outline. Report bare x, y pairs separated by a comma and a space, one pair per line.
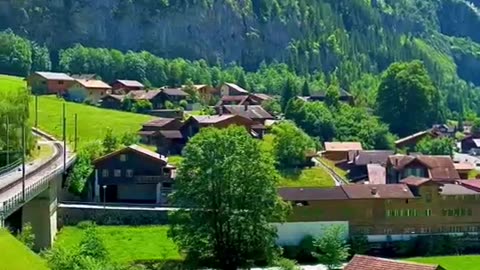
58, 153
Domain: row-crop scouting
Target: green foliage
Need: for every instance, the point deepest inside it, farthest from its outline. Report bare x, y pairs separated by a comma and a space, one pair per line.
243, 214
291, 145
15, 54
129, 138
141, 106
77, 179
286, 264
110, 142
289, 92
332, 95
405, 87
476, 126
169, 105
332, 249
272, 106
305, 89
92, 246
438, 146
359, 244
26, 236
183, 103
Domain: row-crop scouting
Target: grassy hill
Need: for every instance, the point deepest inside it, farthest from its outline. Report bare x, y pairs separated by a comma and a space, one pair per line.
466, 262
14, 255
92, 122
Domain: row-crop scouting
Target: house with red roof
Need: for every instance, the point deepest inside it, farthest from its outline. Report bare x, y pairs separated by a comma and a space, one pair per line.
48, 83
362, 262
122, 87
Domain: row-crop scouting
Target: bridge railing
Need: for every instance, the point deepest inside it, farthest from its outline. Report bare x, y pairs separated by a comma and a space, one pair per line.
12, 204
11, 166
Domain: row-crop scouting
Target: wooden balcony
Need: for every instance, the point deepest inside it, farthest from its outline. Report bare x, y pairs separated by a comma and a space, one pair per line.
146, 179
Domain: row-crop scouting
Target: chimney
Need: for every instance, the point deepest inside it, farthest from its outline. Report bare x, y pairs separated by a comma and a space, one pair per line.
374, 191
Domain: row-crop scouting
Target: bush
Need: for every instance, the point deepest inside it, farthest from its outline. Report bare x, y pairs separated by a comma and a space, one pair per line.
85, 224
183, 103
306, 248
26, 236
92, 246
359, 244
286, 264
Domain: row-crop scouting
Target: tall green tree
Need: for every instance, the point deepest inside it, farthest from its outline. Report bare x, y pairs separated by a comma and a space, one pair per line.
110, 142
407, 99
305, 89
291, 145
289, 92
228, 204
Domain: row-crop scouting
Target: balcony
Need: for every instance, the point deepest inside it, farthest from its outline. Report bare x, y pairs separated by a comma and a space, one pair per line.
146, 179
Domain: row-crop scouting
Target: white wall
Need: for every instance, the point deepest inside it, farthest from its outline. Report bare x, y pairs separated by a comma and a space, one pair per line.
292, 233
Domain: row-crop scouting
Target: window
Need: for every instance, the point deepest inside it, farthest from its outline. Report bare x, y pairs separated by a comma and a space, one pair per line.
117, 173
456, 212
388, 213
397, 213
123, 157
129, 173
451, 212
388, 231
60, 82
428, 212
425, 230
104, 173
463, 212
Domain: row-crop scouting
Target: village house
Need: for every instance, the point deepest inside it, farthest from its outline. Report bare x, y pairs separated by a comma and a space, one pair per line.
391, 212
48, 83
464, 169
341, 151
362, 262
231, 89
411, 141
122, 87
112, 101
132, 175
436, 168
471, 144
254, 112
206, 93
150, 129
196, 122
369, 166
91, 91
444, 130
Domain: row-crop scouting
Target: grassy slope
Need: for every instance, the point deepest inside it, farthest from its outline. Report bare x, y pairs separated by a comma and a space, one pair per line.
14, 255
452, 262
127, 244
92, 122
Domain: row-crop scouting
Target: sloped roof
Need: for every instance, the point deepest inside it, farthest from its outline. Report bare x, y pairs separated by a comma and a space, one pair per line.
343, 146
464, 166
414, 181
144, 94
323, 93
312, 194
117, 97
175, 92
237, 88
475, 184
130, 83
391, 191
211, 119
456, 189
93, 84
54, 76
362, 262
159, 122
439, 167
252, 111
138, 149
84, 76
171, 134
373, 157
262, 96
415, 136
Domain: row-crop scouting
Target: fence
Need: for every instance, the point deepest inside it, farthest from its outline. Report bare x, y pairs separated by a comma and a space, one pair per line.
11, 166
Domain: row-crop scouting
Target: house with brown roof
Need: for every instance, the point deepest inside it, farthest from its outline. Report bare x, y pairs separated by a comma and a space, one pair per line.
411, 141
165, 134
471, 144
464, 169
196, 122
341, 151
112, 101
207, 93
391, 212
369, 165
362, 262
254, 112
91, 91
122, 87
319, 96
437, 168
231, 89
131, 175
48, 83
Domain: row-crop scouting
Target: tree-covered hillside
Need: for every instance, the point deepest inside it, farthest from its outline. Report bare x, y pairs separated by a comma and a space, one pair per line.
347, 38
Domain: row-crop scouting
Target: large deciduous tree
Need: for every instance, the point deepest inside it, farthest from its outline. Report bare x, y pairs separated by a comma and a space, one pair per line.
291, 144
226, 190
407, 99
440, 146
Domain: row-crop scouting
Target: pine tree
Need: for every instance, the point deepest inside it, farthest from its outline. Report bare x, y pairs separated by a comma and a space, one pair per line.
289, 91
306, 89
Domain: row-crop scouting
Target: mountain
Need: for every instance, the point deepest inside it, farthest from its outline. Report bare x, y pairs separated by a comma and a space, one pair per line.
348, 37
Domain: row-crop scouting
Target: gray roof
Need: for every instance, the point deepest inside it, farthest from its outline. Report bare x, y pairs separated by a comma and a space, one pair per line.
131, 83
54, 76
252, 111
175, 92
453, 189
312, 194
373, 157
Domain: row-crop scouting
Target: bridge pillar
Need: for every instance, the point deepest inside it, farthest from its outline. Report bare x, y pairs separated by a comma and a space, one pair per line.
41, 213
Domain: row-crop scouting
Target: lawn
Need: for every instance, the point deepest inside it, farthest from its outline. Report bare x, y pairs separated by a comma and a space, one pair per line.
331, 165
308, 177
11, 82
14, 255
467, 262
93, 122
127, 244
